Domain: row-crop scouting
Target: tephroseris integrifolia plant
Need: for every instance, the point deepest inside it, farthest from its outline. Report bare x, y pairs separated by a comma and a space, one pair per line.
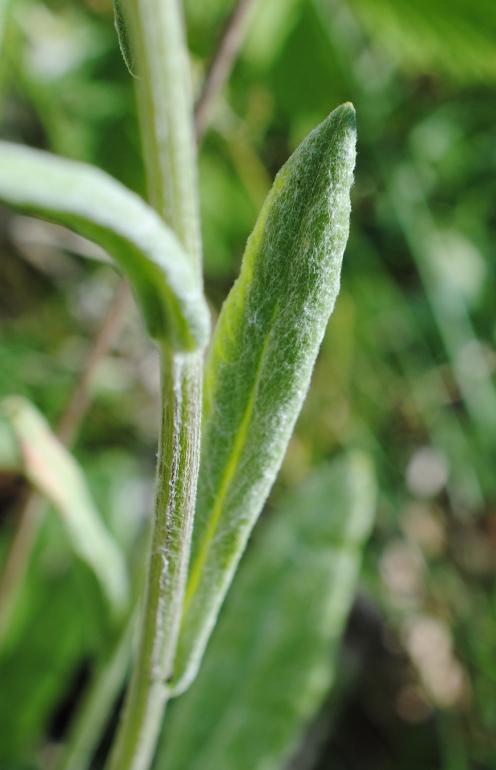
261, 361
259, 368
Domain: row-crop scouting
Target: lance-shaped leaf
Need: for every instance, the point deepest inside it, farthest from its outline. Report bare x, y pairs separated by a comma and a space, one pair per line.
259, 369
123, 37
97, 206
272, 656
53, 471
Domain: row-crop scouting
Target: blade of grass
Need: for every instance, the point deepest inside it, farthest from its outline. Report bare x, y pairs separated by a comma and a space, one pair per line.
93, 716
53, 471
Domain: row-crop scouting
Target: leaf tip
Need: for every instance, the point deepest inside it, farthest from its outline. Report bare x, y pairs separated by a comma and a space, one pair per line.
346, 115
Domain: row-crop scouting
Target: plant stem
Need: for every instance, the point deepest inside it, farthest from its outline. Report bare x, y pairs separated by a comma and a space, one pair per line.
166, 115
168, 561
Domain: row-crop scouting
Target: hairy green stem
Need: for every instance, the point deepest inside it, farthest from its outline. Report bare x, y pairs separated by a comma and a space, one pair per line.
168, 560
166, 114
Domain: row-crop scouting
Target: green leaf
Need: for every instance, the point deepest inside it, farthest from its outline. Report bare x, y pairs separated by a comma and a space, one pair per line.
123, 37
96, 205
261, 361
39, 671
451, 36
53, 471
97, 703
272, 657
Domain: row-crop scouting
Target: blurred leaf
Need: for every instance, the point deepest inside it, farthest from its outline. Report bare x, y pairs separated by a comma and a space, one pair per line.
272, 656
454, 36
269, 30
4, 14
99, 699
40, 669
65, 66
53, 471
10, 456
226, 214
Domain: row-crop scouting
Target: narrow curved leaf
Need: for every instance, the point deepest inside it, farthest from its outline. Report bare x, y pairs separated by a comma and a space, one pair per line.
97, 206
261, 361
123, 37
52, 470
272, 656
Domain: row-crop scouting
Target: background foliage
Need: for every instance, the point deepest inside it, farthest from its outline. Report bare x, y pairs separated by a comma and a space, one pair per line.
406, 371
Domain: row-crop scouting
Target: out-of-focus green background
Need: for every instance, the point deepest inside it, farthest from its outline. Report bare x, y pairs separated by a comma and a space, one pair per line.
406, 371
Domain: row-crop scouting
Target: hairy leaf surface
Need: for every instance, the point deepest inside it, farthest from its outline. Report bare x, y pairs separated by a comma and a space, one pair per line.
96, 205
260, 364
272, 656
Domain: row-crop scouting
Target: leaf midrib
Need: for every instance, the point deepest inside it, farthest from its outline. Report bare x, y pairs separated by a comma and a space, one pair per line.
229, 472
